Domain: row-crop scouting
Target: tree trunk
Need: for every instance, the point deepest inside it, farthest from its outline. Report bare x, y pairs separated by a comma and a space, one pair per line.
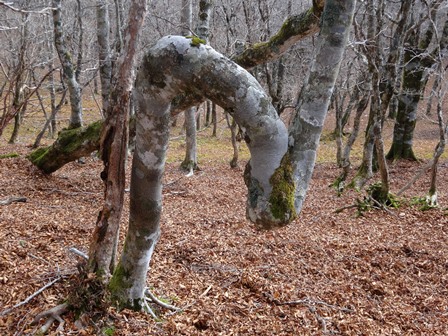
114, 138
214, 119
417, 59
315, 96
208, 113
198, 68
190, 162
193, 67
345, 157
235, 145
68, 68
406, 117
104, 51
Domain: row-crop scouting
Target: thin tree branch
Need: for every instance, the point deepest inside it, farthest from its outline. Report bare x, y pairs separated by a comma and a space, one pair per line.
12, 200
32, 296
8, 5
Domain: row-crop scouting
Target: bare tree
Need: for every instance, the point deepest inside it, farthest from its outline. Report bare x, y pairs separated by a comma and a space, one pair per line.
384, 68
114, 148
190, 162
104, 51
69, 70
277, 177
419, 57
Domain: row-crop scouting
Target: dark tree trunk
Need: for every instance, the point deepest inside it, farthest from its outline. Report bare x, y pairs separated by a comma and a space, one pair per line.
417, 59
114, 140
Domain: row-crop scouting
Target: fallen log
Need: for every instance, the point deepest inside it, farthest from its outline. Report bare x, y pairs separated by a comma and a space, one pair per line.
70, 145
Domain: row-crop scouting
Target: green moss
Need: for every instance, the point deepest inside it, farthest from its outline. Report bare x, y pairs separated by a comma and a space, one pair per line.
117, 282
72, 139
423, 203
117, 287
339, 184
283, 191
109, 331
36, 156
196, 41
375, 191
9, 155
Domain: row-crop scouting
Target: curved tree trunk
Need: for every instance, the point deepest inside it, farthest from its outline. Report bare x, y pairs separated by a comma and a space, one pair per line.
271, 174
173, 66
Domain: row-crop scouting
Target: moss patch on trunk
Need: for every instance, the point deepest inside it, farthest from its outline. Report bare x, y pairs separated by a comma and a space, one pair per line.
283, 192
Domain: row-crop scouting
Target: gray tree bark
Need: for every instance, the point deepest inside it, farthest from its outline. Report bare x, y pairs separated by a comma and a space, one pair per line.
305, 131
178, 65
104, 51
190, 161
418, 58
69, 74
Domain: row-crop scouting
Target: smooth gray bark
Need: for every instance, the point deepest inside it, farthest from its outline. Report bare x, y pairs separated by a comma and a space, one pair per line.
104, 50
315, 96
190, 161
179, 66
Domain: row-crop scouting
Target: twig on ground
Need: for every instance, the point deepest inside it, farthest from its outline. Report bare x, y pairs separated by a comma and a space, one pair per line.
308, 302
53, 314
206, 291
192, 303
78, 252
12, 200
382, 206
29, 298
339, 210
319, 319
416, 177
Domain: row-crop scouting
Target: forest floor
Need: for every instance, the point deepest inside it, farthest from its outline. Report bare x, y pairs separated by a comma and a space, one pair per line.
382, 273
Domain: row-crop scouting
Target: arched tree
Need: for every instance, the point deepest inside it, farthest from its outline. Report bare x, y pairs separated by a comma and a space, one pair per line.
281, 164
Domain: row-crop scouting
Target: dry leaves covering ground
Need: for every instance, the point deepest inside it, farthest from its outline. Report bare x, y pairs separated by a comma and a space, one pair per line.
385, 273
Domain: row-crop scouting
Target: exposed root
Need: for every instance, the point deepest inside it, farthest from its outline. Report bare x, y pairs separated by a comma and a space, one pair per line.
373, 199
53, 314
153, 299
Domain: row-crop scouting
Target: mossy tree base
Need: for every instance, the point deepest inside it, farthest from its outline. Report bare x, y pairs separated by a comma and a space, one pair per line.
401, 152
189, 166
70, 145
